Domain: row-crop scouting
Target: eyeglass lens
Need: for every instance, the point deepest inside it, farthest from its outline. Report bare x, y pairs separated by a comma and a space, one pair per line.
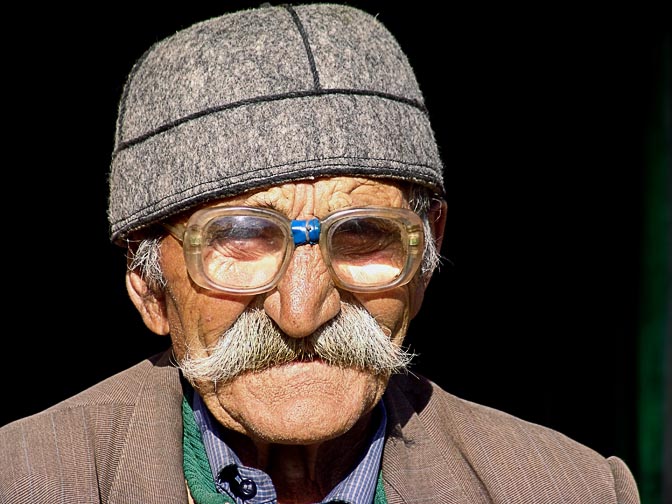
248, 251
242, 251
367, 251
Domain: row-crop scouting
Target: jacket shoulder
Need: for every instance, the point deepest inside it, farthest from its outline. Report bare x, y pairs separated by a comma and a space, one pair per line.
75, 447
506, 457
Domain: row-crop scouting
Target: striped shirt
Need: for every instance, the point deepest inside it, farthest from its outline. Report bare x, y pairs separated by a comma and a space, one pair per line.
357, 488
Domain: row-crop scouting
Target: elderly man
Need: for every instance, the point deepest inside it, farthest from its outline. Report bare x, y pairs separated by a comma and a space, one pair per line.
278, 188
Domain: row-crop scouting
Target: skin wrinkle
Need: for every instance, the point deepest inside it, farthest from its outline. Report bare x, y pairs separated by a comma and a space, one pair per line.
303, 410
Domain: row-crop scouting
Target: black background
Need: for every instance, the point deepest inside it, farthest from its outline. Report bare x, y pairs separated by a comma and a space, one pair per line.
542, 119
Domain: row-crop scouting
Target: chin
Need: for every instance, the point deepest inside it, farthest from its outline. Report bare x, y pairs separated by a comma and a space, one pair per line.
311, 426
300, 403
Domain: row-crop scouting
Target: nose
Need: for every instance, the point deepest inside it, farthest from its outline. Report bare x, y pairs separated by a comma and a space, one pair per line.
305, 298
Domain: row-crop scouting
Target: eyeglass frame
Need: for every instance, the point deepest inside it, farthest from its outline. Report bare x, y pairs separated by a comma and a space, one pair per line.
188, 234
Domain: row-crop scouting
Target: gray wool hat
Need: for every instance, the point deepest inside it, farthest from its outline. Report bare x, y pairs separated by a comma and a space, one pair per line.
261, 97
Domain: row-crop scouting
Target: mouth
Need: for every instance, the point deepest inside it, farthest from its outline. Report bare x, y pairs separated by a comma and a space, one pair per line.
315, 369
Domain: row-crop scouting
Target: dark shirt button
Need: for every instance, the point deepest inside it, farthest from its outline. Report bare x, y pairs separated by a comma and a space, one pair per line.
246, 489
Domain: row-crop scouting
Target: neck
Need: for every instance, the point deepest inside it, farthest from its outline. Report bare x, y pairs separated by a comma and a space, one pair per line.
305, 473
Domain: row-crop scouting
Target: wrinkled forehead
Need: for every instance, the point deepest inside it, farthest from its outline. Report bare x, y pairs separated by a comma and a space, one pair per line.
262, 97
322, 196
315, 198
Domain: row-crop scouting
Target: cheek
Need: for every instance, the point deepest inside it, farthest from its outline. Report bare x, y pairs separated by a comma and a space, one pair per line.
197, 321
391, 311
197, 317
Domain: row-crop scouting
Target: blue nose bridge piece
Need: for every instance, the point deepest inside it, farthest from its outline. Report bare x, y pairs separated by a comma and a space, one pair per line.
306, 231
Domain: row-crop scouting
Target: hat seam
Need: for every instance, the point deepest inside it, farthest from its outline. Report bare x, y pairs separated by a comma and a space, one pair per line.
127, 89
309, 51
351, 171
265, 99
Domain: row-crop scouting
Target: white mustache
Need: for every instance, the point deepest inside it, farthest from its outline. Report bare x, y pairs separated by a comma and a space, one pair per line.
352, 339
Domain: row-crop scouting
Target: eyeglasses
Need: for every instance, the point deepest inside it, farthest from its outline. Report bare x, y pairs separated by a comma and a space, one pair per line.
243, 250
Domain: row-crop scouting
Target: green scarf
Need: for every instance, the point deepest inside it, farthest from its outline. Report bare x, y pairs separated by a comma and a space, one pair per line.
197, 468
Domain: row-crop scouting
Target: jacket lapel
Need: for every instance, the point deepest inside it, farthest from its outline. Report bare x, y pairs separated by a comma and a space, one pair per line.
150, 467
421, 464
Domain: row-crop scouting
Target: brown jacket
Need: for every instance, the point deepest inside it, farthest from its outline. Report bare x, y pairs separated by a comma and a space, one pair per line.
121, 442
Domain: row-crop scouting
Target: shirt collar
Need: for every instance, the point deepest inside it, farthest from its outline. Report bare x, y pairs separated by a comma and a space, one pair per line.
357, 488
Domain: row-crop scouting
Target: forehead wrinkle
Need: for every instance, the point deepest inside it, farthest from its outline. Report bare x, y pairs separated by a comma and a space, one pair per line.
292, 199
303, 201
376, 193
269, 198
321, 197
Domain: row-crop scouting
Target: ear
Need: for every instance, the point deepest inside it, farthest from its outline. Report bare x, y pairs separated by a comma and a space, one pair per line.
150, 303
437, 220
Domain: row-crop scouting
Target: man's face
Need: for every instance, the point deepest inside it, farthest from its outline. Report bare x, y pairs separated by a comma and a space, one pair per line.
300, 402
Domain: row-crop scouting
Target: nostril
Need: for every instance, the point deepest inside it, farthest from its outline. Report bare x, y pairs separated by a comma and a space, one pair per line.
300, 313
